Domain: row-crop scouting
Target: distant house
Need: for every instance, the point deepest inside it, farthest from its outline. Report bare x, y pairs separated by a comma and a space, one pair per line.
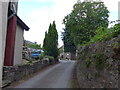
29, 42
69, 55
66, 55
13, 30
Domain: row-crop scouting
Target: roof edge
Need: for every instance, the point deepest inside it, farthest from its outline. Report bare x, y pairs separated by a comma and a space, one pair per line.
22, 24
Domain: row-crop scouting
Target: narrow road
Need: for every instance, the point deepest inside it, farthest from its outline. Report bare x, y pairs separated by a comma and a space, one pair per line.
57, 76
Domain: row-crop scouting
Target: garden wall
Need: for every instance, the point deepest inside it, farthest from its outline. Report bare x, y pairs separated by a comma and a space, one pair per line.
99, 64
15, 73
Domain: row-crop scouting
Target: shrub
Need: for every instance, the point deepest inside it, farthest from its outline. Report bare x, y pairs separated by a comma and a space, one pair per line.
31, 61
41, 56
99, 60
34, 46
50, 57
104, 34
87, 62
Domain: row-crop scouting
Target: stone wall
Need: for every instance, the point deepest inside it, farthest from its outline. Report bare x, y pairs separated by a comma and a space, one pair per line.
98, 64
15, 73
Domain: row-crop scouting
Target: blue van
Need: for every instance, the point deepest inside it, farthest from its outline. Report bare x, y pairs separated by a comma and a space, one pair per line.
36, 54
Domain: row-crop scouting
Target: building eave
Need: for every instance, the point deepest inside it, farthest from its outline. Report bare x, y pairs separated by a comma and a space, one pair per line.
22, 24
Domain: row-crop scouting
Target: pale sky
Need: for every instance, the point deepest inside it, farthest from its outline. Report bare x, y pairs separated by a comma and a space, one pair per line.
38, 14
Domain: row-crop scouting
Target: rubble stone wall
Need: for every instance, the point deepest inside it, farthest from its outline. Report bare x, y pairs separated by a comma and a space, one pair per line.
99, 64
15, 73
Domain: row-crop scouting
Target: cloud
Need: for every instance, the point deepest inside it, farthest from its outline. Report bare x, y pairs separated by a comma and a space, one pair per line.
35, 0
39, 18
112, 5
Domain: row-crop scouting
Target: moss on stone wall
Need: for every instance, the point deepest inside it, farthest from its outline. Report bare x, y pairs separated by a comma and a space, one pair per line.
98, 64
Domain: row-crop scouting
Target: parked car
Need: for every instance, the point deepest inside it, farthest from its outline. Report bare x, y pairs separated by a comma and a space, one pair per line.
35, 54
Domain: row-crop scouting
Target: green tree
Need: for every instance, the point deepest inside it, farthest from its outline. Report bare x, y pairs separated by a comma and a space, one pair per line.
69, 45
45, 43
84, 20
35, 46
50, 43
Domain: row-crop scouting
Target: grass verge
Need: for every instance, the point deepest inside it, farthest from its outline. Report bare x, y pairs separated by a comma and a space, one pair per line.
74, 81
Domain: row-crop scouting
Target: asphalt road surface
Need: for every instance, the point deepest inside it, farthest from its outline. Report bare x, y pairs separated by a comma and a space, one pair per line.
57, 76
